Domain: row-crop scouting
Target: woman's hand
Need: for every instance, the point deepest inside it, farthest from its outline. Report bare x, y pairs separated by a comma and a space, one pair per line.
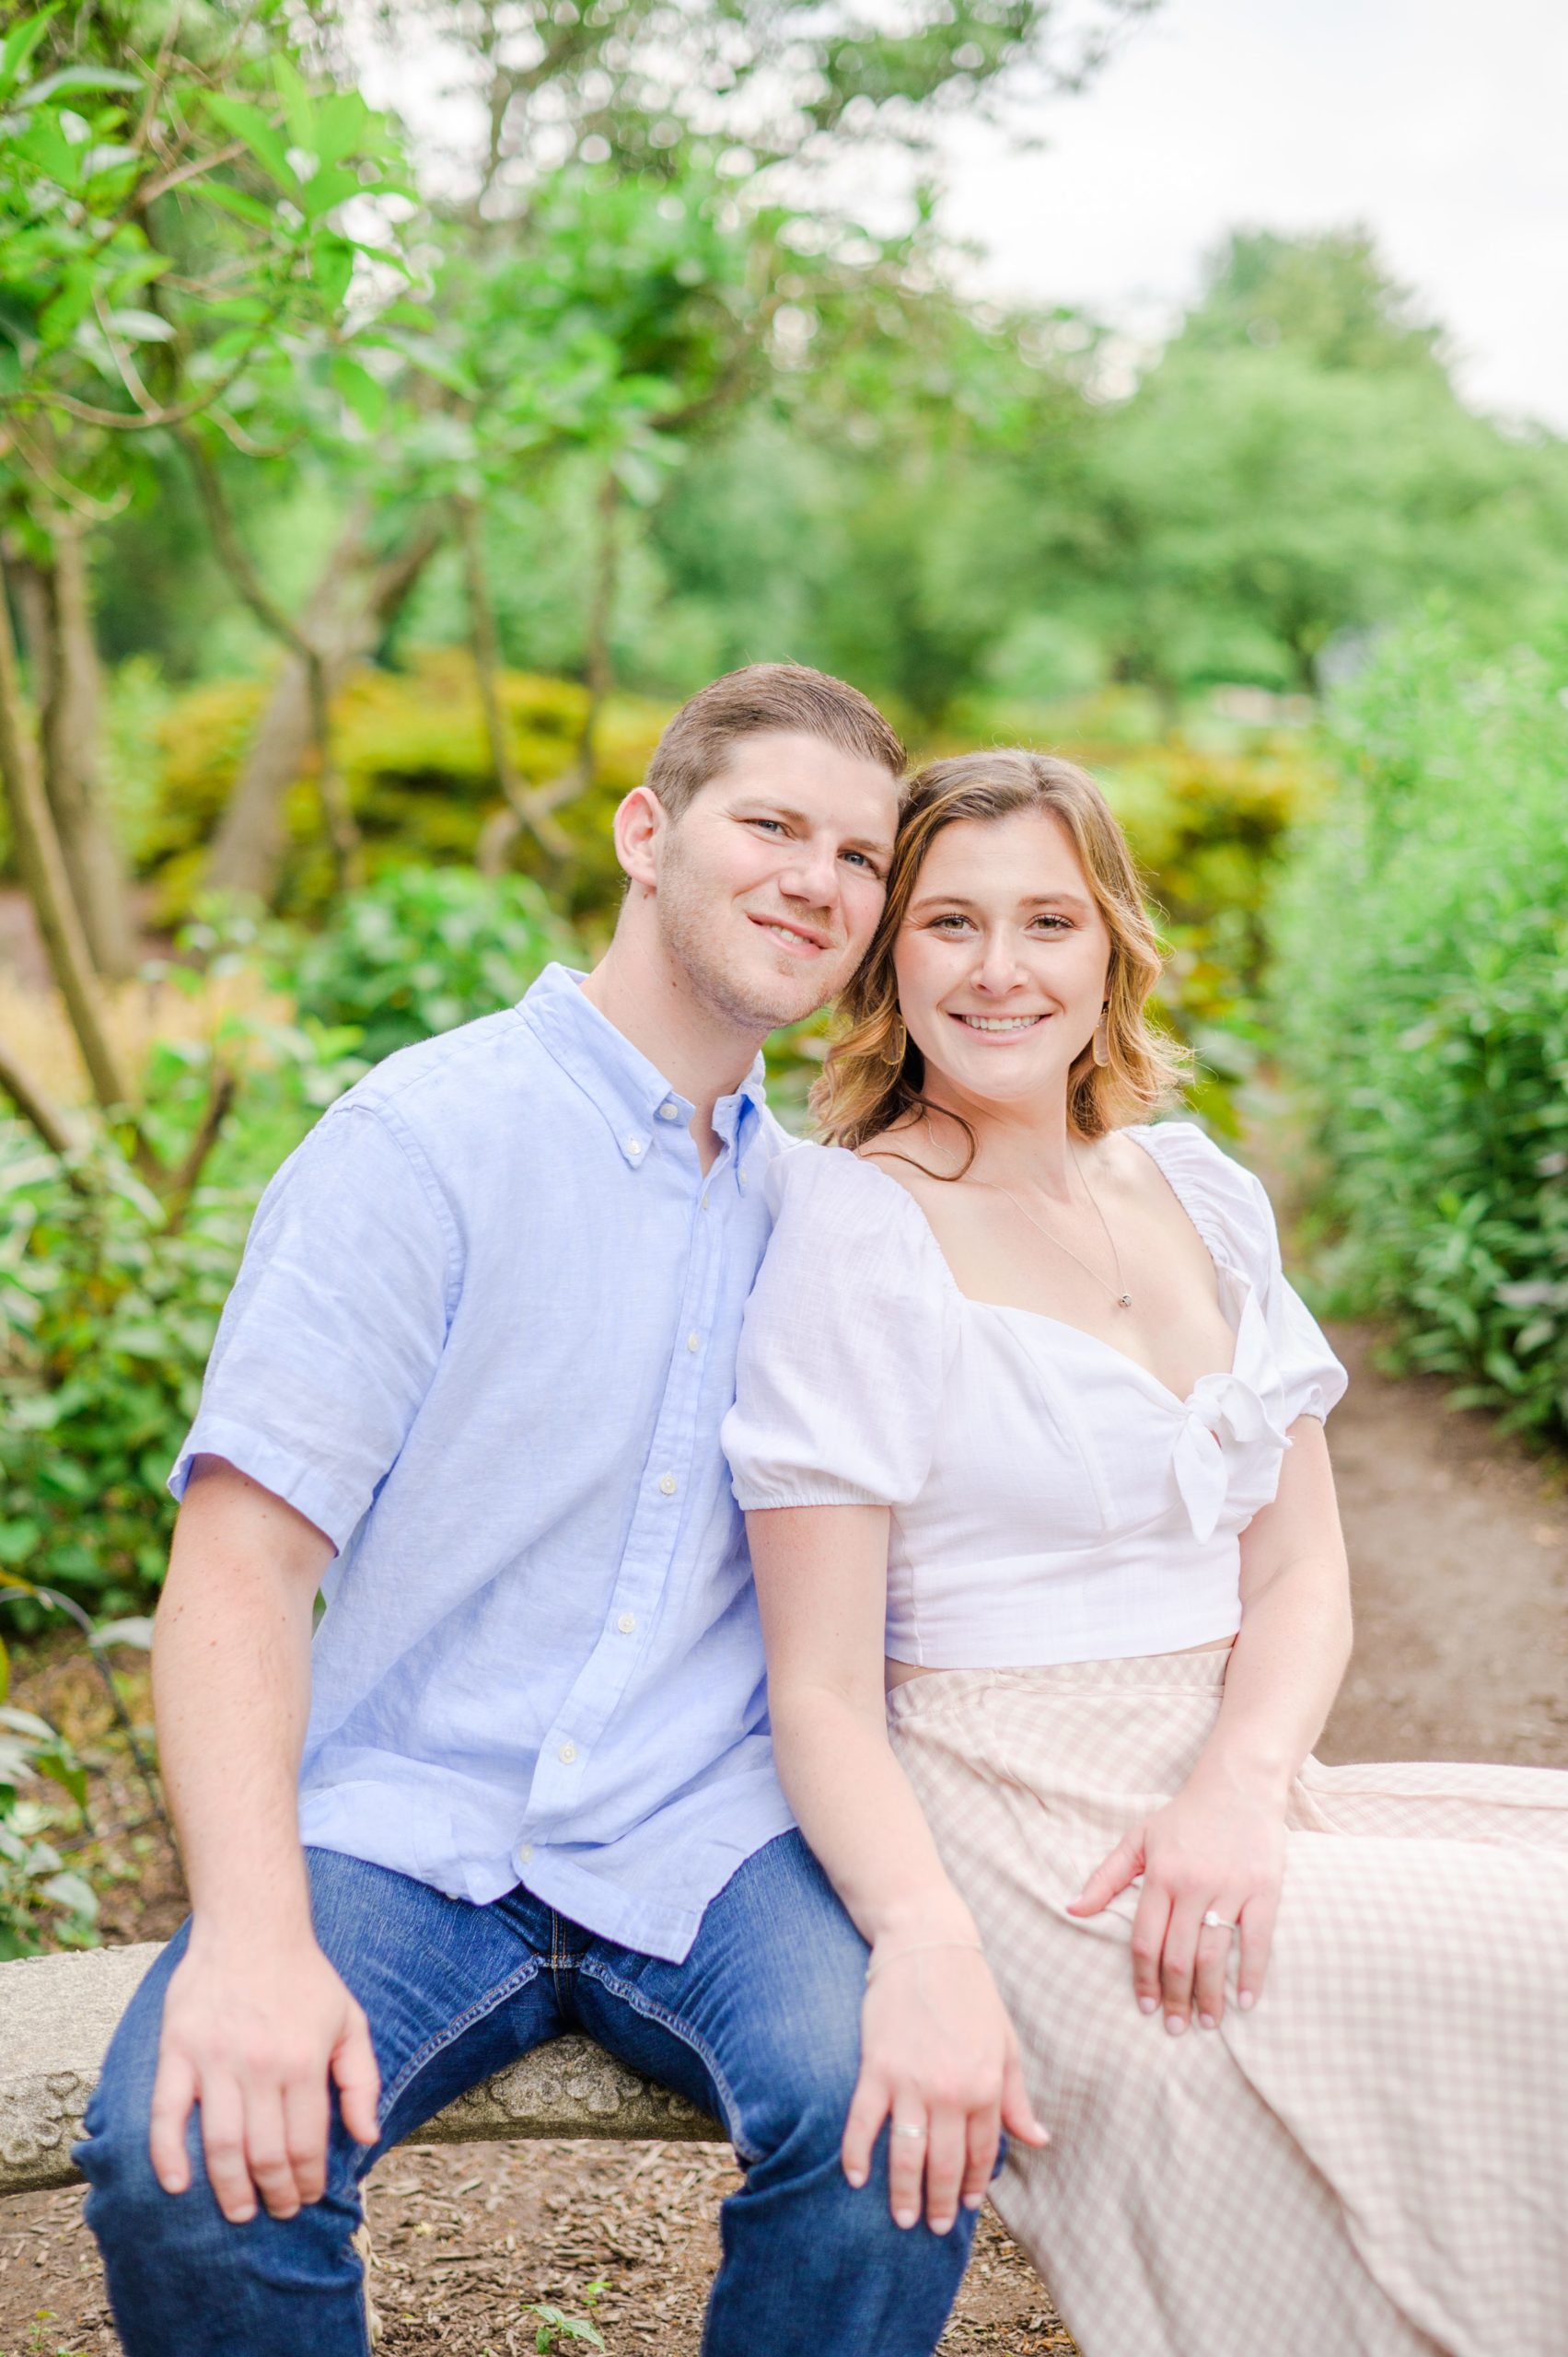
938, 2055
1216, 1849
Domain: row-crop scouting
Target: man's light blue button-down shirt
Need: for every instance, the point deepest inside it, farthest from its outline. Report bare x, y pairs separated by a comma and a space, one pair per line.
484, 1336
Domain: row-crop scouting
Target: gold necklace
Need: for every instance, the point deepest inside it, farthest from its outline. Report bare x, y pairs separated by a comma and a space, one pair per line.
1118, 1291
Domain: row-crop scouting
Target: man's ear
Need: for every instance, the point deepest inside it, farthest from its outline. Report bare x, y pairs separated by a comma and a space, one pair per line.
640, 825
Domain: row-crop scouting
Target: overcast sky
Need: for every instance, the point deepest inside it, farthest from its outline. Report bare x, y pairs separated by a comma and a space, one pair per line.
1441, 124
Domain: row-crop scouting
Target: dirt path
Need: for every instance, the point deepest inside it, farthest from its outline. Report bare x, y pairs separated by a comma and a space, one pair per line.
1460, 1548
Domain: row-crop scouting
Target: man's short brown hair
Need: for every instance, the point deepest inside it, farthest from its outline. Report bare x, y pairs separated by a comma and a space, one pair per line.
765, 699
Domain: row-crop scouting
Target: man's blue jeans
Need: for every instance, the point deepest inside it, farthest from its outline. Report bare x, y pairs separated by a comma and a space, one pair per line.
760, 2027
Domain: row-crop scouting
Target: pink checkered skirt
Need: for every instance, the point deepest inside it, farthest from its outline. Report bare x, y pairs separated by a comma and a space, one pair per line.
1374, 2162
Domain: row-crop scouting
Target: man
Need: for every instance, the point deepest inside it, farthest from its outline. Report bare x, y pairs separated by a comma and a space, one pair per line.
470, 1381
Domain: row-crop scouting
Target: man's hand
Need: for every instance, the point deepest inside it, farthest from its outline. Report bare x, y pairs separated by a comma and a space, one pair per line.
253, 2037
938, 2054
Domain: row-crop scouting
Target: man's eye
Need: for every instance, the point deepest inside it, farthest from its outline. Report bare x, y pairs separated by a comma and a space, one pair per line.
768, 823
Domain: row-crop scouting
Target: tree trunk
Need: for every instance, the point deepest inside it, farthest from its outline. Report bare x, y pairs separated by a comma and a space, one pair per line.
525, 807
70, 729
45, 881
600, 668
345, 616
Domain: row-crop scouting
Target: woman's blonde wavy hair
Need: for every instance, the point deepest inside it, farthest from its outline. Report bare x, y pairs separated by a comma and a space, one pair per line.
875, 1074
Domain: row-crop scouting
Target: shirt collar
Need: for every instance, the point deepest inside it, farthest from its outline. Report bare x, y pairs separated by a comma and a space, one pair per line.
632, 1094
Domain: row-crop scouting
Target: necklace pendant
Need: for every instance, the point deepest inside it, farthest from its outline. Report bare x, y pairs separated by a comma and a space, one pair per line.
1124, 1300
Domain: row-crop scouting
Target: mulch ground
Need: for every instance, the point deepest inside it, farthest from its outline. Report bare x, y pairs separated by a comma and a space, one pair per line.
1459, 1543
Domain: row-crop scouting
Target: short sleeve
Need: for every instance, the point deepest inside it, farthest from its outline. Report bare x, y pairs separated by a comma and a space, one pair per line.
331, 1338
1231, 1211
846, 1342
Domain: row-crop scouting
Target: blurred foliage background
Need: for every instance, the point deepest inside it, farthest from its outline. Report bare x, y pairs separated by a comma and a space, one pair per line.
365, 509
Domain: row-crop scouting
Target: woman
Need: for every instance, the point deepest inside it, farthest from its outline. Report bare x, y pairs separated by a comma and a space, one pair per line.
1027, 1407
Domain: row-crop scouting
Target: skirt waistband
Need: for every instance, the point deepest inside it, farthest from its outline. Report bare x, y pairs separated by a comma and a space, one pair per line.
1188, 1673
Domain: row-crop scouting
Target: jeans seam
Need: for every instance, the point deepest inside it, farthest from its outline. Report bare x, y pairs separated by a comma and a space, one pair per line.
425, 2055
651, 2010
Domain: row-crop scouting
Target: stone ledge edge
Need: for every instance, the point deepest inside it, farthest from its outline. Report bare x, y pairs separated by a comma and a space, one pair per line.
55, 2025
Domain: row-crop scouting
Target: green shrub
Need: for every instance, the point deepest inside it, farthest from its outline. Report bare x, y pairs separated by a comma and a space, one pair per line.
424, 949
1422, 1003
108, 1311
40, 1895
416, 765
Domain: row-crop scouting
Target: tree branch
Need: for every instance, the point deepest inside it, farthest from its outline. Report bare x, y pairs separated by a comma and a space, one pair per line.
39, 1112
43, 866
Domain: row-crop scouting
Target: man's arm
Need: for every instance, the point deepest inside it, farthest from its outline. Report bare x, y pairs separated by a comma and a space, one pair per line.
256, 2021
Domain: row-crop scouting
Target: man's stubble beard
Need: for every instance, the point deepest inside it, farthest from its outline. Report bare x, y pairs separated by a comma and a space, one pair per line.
685, 932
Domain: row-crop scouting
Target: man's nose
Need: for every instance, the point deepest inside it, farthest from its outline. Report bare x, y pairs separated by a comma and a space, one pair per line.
812, 874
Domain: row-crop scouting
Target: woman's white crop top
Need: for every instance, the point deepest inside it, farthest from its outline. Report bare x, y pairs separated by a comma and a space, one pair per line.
1051, 1501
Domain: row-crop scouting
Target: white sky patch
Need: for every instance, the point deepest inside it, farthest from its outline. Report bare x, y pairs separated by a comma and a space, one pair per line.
1439, 125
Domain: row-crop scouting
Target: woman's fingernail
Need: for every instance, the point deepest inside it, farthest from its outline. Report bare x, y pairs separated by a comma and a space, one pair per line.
1247, 2001
904, 2217
856, 2177
973, 2201
1148, 2005
1207, 2020
1176, 2024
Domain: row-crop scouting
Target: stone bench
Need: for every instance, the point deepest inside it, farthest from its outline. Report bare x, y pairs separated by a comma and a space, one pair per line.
58, 2014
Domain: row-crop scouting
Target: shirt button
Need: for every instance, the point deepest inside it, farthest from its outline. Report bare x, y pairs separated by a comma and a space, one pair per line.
666, 1483
670, 1110
566, 1754
704, 1202
634, 1146
626, 1623
524, 1855
693, 1340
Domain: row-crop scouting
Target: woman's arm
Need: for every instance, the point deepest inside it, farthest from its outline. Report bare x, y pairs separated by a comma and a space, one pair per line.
937, 2051
1219, 1846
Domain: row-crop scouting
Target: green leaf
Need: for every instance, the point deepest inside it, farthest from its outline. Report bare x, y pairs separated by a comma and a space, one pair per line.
237, 201
63, 1768
74, 1892
330, 186
73, 78
365, 394
331, 268
341, 125
140, 327
137, 1632
26, 1722
18, 46
247, 123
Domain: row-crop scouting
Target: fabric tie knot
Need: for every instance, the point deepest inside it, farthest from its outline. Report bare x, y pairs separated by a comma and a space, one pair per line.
1221, 1412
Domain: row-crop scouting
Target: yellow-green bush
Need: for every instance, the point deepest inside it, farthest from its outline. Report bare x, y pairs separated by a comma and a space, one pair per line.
416, 763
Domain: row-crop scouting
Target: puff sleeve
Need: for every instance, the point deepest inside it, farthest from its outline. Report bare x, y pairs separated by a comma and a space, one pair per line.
846, 1342
1231, 1211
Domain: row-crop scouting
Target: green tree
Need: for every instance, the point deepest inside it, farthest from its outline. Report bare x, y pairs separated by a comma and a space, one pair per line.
181, 223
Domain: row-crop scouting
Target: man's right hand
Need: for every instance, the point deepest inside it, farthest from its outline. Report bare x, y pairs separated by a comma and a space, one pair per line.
254, 2037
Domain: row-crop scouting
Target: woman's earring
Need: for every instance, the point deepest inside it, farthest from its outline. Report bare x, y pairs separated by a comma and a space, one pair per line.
897, 1043
1102, 1038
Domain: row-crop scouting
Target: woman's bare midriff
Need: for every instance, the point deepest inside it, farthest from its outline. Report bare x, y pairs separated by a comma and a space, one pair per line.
899, 1673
